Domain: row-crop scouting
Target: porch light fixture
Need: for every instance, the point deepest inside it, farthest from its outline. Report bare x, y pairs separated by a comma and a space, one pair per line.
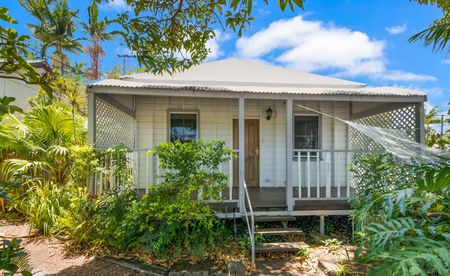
269, 113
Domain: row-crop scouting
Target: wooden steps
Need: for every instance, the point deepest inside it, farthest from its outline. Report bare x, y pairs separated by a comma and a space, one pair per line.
271, 247
274, 218
278, 231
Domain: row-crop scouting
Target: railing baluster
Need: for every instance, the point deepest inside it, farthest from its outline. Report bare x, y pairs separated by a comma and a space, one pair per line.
299, 165
308, 180
338, 181
318, 173
328, 174
348, 176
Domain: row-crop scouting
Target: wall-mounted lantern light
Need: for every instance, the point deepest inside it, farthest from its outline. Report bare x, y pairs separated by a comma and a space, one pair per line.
269, 113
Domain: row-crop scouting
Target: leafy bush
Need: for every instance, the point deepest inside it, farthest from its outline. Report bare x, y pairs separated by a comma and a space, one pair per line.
403, 228
42, 204
13, 258
166, 222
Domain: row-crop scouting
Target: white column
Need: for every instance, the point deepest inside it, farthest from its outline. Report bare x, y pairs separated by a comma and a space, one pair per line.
241, 153
289, 154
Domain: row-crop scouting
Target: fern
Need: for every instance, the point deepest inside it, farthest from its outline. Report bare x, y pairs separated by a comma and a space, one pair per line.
405, 230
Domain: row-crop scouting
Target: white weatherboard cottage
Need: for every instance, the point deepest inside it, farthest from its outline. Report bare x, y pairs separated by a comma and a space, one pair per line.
293, 161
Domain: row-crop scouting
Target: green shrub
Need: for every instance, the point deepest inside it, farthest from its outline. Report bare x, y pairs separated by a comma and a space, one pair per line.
167, 221
42, 204
404, 229
13, 258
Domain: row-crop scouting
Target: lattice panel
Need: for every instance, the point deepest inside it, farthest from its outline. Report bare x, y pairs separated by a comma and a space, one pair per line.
113, 126
404, 119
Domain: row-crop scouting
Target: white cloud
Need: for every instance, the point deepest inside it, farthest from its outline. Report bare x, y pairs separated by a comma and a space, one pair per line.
446, 61
395, 30
214, 45
312, 45
115, 5
400, 75
123, 50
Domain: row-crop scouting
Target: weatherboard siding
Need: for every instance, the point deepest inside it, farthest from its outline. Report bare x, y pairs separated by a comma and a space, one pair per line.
215, 122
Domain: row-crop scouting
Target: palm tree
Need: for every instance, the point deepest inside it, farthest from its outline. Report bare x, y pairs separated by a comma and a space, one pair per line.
96, 30
56, 28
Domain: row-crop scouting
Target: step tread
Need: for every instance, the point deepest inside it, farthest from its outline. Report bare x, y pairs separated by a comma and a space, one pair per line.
278, 231
280, 247
275, 218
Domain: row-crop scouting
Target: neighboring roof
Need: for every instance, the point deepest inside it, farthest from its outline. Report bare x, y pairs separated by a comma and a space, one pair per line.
236, 72
238, 76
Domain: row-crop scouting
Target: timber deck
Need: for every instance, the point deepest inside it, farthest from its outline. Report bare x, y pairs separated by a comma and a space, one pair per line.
274, 200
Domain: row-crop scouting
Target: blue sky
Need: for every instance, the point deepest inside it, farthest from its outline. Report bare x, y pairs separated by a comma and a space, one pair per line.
361, 40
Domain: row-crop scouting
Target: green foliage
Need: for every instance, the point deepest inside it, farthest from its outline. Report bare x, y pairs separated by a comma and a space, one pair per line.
6, 107
42, 204
432, 136
194, 167
13, 258
332, 245
166, 221
404, 229
168, 36
14, 54
437, 34
55, 28
96, 30
303, 252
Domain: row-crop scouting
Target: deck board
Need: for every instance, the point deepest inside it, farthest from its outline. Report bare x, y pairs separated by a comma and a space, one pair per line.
274, 199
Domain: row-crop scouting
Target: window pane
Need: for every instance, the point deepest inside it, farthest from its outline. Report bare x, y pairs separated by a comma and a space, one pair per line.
306, 132
183, 127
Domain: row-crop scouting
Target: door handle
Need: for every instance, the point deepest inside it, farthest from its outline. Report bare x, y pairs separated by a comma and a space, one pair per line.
257, 151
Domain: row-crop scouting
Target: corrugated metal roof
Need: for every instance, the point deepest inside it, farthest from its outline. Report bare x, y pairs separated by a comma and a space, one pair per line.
236, 72
234, 75
368, 91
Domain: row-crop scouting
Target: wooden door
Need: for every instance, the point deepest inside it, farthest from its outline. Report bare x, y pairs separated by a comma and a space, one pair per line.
251, 152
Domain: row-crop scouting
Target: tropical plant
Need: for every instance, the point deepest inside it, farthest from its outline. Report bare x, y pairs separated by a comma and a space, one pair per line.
171, 35
437, 34
56, 28
96, 30
6, 107
42, 204
432, 136
404, 228
14, 53
13, 258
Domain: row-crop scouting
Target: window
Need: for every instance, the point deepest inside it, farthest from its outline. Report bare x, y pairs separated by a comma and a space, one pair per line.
183, 127
306, 133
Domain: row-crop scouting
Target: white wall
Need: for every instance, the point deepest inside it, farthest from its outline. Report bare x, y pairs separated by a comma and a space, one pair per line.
215, 122
19, 90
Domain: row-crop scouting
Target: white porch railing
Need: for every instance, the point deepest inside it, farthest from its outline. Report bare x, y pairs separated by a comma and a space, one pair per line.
323, 173
146, 171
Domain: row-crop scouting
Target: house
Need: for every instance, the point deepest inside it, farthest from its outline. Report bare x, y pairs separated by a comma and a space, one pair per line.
291, 159
11, 85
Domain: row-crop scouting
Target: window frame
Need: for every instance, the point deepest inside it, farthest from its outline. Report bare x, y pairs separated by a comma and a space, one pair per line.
319, 134
183, 112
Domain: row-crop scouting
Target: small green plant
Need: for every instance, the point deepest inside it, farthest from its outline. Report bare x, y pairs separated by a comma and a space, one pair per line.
344, 269
13, 258
303, 252
332, 245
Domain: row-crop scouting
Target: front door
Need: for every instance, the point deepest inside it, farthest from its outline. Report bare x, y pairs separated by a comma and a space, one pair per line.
251, 152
